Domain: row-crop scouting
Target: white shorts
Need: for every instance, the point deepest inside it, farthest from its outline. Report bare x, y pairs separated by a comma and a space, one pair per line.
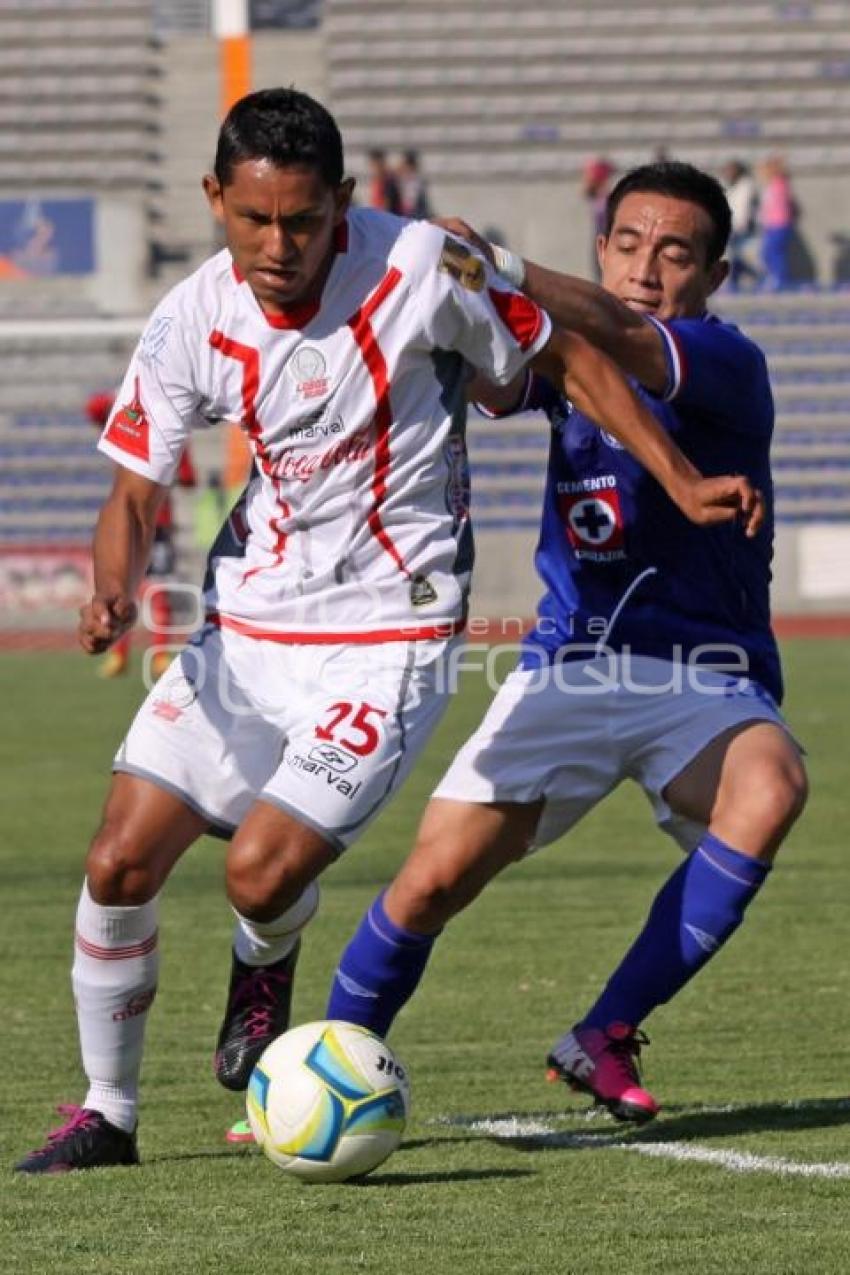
571, 732
327, 733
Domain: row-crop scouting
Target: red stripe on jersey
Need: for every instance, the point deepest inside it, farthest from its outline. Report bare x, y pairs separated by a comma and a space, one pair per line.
521, 317
409, 633
117, 953
249, 357
361, 328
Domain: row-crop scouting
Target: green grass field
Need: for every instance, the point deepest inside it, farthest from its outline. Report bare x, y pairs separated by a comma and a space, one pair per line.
499, 1172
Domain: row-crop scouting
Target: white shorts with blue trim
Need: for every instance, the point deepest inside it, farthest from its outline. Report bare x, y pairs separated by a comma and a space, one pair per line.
571, 732
325, 732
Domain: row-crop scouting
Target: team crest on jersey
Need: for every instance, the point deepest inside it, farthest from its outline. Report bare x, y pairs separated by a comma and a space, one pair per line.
309, 371
129, 429
593, 521
462, 264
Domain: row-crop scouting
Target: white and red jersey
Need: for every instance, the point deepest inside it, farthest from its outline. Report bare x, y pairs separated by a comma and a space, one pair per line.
356, 525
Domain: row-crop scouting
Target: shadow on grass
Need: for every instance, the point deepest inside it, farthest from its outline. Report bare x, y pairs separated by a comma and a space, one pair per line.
417, 1144
674, 1123
454, 1175
374, 1179
761, 1117
231, 1153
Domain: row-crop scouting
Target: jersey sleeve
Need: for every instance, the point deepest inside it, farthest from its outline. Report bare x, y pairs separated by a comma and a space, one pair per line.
714, 368
153, 413
467, 307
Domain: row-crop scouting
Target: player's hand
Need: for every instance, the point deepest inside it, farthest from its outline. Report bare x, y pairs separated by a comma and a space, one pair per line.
463, 230
708, 501
103, 620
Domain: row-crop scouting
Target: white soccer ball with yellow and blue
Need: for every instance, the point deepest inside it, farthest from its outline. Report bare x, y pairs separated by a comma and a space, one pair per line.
328, 1101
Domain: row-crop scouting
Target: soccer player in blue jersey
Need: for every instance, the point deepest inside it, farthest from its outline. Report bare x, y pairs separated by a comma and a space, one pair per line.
652, 658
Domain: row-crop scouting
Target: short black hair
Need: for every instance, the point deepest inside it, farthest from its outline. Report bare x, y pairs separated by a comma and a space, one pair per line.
680, 181
283, 126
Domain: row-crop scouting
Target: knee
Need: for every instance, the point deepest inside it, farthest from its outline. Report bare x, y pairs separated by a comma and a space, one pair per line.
119, 872
263, 880
430, 889
787, 790
779, 792
795, 791
420, 902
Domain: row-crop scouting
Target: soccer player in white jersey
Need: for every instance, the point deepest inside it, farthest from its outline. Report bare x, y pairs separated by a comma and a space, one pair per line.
342, 340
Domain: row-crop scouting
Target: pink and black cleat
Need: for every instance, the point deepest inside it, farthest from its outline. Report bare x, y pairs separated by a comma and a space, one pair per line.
604, 1063
86, 1141
258, 1005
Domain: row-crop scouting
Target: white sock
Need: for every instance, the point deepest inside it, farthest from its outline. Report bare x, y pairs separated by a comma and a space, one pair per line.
116, 961
265, 942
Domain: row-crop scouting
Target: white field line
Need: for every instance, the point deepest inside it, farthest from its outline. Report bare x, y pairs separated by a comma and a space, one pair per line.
534, 1130
737, 1161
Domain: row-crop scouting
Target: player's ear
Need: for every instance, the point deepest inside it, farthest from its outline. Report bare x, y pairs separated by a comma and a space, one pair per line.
213, 192
342, 198
601, 245
717, 274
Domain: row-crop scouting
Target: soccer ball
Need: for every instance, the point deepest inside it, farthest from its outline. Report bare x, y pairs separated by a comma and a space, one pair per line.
328, 1101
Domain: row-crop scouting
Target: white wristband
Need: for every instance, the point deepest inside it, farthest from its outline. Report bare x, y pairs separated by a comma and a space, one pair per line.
509, 264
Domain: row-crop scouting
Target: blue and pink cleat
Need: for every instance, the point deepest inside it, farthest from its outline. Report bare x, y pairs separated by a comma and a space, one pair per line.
604, 1064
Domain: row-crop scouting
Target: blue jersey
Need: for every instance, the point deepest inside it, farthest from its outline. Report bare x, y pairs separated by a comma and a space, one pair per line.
623, 568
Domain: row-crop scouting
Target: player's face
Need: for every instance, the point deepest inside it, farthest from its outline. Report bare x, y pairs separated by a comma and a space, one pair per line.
279, 224
656, 257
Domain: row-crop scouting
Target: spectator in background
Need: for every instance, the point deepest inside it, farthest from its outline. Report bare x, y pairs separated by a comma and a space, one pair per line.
413, 190
162, 560
596, 182
740, 190
383, 190
777, 214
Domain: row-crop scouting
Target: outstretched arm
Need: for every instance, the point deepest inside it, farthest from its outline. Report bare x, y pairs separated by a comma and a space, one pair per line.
634, 343
122, 542
597, 387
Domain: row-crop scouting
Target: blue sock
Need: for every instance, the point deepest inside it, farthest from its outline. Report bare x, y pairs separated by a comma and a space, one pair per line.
379, 971
693, 915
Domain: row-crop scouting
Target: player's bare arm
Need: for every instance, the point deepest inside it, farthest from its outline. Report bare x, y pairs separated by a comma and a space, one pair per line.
657, 261
583, 307
597, 387
122, 543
